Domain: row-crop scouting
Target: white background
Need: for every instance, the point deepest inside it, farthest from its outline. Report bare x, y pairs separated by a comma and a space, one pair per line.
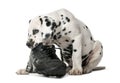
101, 16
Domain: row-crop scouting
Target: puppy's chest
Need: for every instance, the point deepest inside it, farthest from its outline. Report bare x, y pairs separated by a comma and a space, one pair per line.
63, 41
63, 38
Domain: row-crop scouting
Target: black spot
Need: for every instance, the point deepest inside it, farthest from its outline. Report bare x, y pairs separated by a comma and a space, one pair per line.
90, 52
48, 23
84, 56
73, 41
41, 21
65, 33
55, 37
91, 38
61, 15
59, 24
35, 31
85, 45
47, 35
86, 27
58, 33
100, 53
46, 20
67, 40
64, 29
59, 36
53, 25
68, 20
75, 50
54, 31
69, 32
29, 21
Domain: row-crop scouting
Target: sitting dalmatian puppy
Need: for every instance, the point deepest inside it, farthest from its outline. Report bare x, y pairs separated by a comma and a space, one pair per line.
62, 28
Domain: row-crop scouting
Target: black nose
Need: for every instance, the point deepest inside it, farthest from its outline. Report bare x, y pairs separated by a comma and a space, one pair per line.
30, 43
47, 35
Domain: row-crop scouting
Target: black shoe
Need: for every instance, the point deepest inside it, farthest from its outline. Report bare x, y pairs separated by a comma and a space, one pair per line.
46, 61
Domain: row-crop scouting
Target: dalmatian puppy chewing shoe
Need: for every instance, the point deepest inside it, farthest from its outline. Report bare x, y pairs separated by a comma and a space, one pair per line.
74, 38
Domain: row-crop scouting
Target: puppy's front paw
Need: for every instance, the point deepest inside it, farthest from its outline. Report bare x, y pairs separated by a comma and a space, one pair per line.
22, 72
75, 71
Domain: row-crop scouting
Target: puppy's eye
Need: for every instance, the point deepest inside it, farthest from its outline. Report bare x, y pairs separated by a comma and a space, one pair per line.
35, 31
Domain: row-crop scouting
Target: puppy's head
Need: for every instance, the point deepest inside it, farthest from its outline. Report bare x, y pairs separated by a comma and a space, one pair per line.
40, 31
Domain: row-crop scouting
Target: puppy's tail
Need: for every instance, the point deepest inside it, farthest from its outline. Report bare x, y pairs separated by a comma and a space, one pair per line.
99, 68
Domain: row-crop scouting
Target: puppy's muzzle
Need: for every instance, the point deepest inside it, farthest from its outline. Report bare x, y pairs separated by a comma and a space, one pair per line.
30, 43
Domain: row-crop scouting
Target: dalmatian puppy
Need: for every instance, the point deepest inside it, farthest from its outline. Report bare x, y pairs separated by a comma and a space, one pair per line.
62, 28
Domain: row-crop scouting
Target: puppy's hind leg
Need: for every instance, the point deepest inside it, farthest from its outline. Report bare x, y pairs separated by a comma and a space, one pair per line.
94, 57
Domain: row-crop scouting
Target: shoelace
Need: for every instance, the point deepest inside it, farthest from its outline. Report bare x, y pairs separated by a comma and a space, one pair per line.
49, 50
